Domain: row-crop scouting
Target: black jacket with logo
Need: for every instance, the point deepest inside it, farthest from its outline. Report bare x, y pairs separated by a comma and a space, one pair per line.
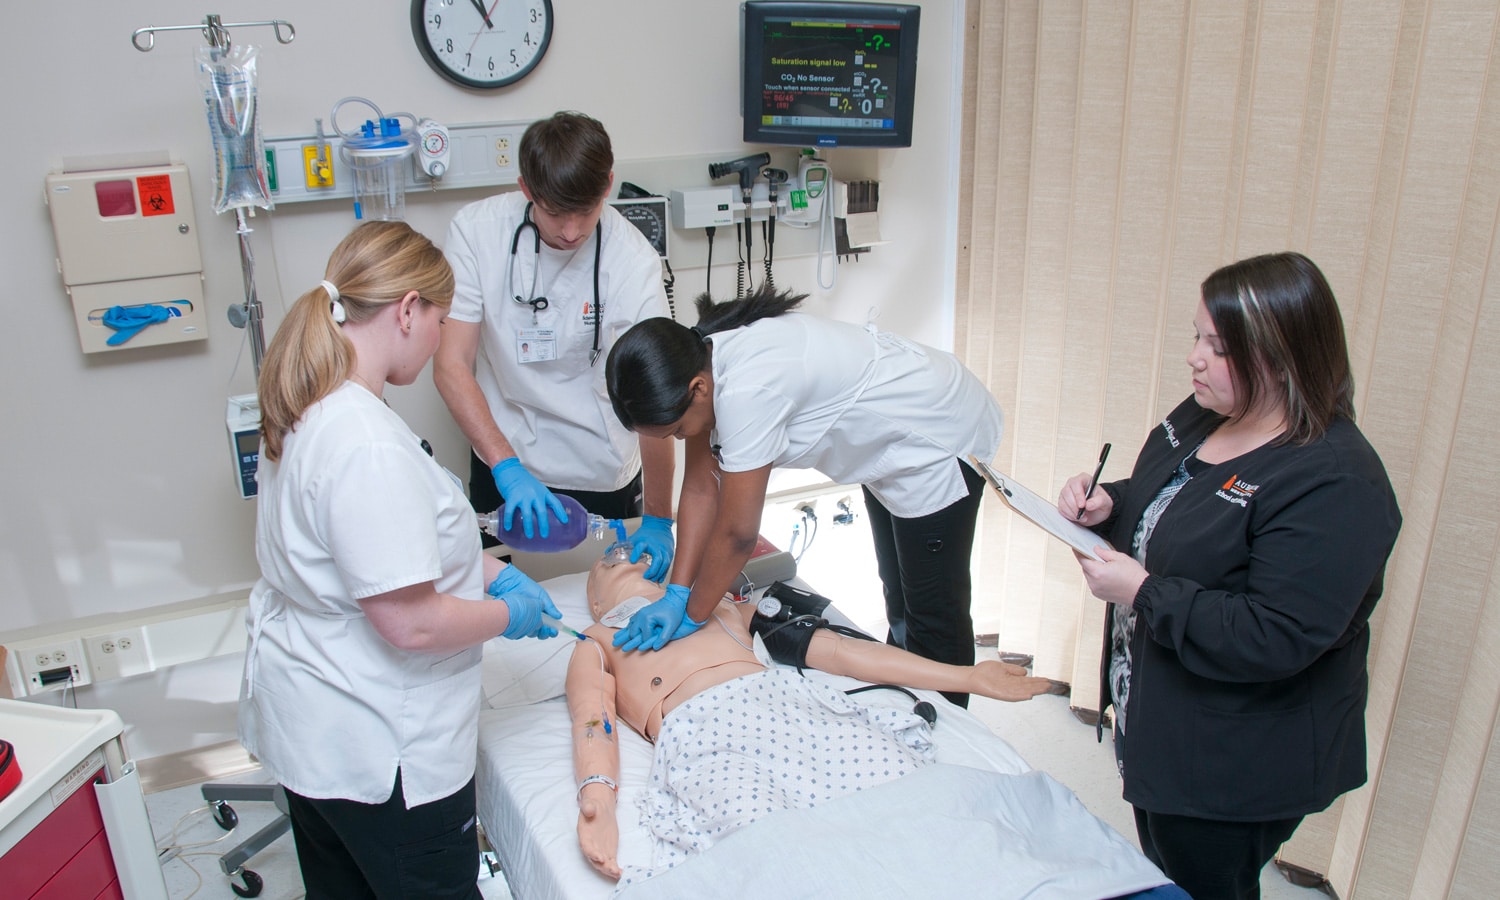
1248, 683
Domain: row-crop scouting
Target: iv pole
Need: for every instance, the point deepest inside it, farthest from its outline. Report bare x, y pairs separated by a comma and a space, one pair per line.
249, 315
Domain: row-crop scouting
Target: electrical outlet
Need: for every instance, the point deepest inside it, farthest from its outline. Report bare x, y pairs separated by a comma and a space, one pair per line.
53, 665
118, 654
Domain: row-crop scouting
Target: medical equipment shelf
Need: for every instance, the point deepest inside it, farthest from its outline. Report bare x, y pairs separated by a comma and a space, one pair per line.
482, 155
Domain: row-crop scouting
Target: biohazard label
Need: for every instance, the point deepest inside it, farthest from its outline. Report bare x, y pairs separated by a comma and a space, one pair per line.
156, 195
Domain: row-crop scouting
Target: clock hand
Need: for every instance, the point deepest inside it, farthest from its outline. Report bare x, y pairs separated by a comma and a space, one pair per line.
487, 20
484, 15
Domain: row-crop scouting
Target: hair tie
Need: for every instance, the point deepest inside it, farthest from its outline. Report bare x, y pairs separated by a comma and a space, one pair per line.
698, 330
334, 306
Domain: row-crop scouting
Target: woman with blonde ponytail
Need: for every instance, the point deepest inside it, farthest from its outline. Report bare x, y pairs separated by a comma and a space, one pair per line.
361, 686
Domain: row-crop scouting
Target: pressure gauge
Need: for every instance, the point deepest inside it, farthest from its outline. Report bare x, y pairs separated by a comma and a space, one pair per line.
649, 214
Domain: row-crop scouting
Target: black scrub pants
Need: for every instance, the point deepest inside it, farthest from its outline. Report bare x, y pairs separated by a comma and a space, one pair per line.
1208, 858
349, 850
924, 570
626, 503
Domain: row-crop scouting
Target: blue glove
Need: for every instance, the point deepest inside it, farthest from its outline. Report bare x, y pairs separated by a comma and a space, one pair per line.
527, 601
127, 321
653, 537
653, 626
524, 494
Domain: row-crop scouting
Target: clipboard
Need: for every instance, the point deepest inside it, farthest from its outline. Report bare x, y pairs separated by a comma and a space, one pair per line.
1039, 512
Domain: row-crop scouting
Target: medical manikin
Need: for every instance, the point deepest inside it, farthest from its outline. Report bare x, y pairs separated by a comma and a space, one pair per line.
712, 685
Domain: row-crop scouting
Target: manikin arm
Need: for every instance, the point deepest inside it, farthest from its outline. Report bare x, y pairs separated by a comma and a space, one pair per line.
880, 663
591, 704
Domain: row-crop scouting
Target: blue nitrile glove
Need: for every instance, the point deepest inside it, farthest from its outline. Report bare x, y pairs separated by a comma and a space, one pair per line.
653, 626
653, 537
128, 321
524, 494
527, 601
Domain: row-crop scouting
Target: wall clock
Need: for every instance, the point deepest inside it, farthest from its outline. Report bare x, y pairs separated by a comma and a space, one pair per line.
482, 43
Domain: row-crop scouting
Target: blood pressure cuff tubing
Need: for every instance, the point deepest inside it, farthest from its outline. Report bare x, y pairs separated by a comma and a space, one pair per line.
10, 770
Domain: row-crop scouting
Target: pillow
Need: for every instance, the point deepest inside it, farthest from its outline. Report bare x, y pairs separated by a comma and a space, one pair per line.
518, 673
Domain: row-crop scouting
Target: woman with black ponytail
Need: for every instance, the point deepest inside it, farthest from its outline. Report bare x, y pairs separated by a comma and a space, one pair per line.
757, 384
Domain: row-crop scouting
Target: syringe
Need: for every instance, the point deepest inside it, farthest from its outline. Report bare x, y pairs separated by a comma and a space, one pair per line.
557, 623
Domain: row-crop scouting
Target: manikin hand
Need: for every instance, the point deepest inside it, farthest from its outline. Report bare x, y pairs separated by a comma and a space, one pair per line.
1115, 577
598, 832
1004, 681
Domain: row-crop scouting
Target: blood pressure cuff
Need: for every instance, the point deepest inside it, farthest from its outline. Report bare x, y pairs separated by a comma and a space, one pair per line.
787, 638
788, 632
10, 770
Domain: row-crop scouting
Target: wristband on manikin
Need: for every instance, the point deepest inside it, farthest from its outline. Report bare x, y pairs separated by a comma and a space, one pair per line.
597, 779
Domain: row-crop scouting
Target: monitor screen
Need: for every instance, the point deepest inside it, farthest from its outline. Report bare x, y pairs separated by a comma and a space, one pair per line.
828, 74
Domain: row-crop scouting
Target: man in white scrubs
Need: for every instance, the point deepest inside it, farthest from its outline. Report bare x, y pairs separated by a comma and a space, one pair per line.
547, 278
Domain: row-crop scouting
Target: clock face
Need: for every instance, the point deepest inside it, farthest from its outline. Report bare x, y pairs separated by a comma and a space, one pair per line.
482, 43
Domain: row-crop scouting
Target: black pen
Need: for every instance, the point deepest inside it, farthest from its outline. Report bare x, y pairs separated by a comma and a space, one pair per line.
1094, 482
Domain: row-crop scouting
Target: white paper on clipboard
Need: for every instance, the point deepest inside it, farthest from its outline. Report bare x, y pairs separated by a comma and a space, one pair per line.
1040, 512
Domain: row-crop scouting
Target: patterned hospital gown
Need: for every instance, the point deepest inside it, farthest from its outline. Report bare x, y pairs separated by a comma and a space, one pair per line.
759, 744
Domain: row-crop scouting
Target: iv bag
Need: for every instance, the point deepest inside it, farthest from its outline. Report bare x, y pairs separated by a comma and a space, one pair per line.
228, 80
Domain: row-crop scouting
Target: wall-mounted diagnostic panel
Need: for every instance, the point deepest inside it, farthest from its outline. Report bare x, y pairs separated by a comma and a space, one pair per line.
446, 157
127, 250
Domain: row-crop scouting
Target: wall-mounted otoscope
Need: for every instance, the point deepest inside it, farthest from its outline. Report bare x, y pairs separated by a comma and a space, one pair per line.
747, 168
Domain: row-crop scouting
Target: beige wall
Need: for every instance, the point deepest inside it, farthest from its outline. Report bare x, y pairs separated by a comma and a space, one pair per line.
1119, 152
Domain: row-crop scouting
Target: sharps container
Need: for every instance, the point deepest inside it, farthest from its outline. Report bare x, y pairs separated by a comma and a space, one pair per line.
377, 156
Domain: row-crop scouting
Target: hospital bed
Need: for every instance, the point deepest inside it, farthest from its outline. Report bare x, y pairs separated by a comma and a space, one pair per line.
978, 822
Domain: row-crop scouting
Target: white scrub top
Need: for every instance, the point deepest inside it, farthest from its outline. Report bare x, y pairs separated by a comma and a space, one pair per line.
859, 405
555, 412
355, 507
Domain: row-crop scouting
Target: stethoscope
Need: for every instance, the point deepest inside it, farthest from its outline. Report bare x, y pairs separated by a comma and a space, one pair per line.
538, 304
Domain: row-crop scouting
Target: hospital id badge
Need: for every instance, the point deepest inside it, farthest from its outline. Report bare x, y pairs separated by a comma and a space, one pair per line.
536, 345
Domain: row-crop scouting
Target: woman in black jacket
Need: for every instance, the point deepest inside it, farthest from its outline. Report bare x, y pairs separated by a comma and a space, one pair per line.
1252, 540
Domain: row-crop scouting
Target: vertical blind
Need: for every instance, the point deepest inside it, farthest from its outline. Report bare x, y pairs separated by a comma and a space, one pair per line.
1115, 153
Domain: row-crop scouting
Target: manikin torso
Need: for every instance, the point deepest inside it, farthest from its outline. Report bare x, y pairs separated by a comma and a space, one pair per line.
649, 684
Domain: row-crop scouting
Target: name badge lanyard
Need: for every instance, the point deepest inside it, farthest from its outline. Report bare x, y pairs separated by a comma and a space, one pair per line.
538, 304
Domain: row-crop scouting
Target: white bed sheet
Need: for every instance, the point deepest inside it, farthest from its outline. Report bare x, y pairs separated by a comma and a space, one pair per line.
526, 786
527, 801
